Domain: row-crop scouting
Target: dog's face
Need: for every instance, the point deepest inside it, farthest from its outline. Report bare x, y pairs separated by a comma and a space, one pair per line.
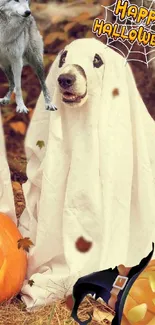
73, 83
15, 7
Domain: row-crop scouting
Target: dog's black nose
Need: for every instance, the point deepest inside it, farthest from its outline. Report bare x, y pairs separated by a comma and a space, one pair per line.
27, 13
66, 80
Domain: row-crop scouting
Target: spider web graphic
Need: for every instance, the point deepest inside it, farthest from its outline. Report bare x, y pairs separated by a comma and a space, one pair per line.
146, 54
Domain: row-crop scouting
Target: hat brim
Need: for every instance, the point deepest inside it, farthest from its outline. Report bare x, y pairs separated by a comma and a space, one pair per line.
100, 283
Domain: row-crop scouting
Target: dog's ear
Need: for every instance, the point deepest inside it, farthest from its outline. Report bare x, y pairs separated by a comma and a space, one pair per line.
59, 54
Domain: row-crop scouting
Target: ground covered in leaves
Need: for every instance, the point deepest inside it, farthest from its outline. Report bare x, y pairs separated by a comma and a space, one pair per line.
14, 313
57, 32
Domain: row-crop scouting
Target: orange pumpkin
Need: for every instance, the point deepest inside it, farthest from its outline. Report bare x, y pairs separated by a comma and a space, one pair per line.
139, 308
13, 261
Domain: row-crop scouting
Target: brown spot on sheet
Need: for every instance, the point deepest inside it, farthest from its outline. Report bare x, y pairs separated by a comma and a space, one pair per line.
115, 92
83, 245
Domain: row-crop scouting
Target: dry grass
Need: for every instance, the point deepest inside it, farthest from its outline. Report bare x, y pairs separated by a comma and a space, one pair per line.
14, 313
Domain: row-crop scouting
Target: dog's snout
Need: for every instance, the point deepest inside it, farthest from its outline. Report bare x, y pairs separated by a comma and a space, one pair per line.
66, 80
27, 13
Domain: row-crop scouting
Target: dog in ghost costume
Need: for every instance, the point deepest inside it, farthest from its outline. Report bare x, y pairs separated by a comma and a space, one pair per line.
95, 176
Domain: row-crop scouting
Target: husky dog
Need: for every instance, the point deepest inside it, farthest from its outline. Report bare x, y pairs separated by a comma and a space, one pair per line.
20, 44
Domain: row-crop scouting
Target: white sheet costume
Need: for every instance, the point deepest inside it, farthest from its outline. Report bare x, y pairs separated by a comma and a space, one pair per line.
95, 177
6, 193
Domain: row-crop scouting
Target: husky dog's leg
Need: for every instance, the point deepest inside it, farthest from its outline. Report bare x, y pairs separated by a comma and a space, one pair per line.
17, 71
6, 99
38, 67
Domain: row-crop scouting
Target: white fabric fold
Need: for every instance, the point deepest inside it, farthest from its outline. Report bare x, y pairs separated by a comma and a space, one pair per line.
6, 193
95, 177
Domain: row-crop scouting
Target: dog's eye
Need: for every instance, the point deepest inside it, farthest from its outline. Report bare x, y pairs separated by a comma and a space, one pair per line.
16, 0
62, 59
97, 62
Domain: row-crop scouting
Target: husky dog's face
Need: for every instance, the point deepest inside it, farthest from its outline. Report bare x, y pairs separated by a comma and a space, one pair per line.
15, 7
74, 80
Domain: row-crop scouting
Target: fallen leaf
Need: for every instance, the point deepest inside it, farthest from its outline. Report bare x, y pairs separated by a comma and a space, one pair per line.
69, 302
40, 144
83, 245
19, 127
25, 243
31, 283
16, 186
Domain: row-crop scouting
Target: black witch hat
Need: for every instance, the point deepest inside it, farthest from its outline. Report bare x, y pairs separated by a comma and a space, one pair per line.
101, 284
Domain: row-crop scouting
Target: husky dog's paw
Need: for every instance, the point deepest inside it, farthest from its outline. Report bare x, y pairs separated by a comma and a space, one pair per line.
4, 101
51, 107
21, 109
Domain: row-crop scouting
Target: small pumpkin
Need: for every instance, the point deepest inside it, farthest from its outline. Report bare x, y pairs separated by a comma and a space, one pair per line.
139, 308
13, 261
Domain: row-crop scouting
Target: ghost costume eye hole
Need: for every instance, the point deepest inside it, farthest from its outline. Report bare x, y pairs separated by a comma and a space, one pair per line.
97, 62
62, 59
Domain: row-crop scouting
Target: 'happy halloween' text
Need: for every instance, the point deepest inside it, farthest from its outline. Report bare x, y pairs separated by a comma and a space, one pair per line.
115, 31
